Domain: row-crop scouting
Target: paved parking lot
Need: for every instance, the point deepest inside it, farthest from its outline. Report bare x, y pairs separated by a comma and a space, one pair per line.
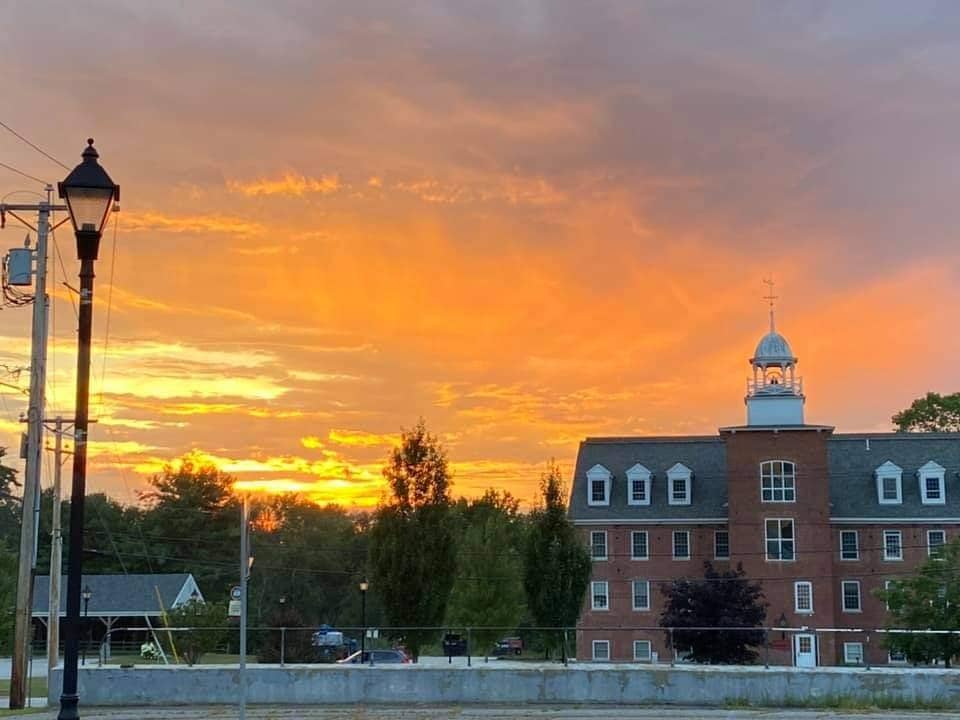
454, 712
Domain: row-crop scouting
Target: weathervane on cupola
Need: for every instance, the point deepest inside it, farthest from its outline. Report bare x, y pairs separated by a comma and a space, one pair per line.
775, 393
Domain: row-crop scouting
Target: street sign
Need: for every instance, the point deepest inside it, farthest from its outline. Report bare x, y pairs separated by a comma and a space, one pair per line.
235, 592
234, 609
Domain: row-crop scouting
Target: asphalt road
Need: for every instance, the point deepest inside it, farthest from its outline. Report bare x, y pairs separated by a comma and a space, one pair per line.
454, 712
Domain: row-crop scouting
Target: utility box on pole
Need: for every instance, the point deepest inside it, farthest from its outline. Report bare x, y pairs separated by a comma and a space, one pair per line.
20, 267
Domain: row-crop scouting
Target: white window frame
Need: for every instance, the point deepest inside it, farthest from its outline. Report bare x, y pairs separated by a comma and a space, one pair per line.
716, 555
843, 596
886, 587
889, 471
900, 659
643, 657
856, 540
796, 597
847, 647
604, 586
779, 539
767, 474
673, 545
932, 471
680, 472
646, 545
600, 643
886, 554
593, 546
633, 594
639, 474
598, 473
930, 546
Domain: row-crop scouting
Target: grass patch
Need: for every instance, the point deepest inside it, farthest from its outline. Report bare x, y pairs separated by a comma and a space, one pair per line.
36, 687
21, 713
843, 702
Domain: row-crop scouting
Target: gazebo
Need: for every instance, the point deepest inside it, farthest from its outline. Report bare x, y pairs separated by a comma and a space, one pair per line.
140, 600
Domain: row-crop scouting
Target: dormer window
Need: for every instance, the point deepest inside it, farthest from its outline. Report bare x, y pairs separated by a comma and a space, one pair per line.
932, 490
598, 485
638, 485
678, 484
889, 484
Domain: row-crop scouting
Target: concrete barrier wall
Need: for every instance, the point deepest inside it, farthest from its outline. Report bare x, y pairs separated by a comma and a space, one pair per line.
317, 685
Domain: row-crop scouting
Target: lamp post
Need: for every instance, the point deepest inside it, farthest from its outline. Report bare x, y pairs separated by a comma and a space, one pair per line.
86, 594
363, 616
89, 193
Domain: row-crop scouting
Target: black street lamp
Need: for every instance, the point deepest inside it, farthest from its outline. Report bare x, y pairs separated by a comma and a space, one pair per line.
89, 193
363, 617
86, 594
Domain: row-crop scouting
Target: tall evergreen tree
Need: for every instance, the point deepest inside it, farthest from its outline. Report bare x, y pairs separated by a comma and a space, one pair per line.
412, 548
557, 568
720, 599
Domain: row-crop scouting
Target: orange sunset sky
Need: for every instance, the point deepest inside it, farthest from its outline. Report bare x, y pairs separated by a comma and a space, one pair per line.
527, 222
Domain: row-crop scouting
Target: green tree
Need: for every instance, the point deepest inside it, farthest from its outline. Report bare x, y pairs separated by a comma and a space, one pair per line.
412, 551
720, 599
191, 523
931, 413
10, 508
929, 600
8, 598
208, 628
488, 591
557, 568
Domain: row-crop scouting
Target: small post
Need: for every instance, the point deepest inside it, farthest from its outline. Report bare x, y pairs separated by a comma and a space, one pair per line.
766, 648
673, 649
866, 652
283, 645
565, 660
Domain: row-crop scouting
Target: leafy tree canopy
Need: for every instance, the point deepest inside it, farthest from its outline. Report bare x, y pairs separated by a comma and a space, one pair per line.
8, 598
412, 544
9, 505
929, 600
557, 568
208, 623
720, 599
931, 413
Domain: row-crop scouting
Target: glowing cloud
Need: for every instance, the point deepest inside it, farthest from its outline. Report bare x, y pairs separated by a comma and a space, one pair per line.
293, 184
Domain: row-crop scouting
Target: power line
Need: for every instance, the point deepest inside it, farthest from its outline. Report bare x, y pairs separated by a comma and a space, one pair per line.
35, 147
26, 175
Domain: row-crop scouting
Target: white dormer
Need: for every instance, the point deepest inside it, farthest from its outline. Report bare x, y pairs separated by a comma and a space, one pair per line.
679, 481
598, 485
638, 485
889, 484
931, 479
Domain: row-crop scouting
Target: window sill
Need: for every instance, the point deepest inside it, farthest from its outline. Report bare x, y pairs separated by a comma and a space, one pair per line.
640, 559
852, 612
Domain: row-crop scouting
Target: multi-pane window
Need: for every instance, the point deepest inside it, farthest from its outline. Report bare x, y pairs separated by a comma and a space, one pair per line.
600, 594
892, 545
853, 653
778, 481
889, 489
931, 477
721, 545
936, 539
639, 480
850, 594
803, 596
931, 493
598, 485
641, 594
639, 545
642, 650
638, 490
681, 545
849, 545
601, 650
598, 491
679, 480
598, 545
780, 539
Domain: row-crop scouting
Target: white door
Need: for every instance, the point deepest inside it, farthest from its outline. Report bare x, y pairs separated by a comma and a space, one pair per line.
805, 650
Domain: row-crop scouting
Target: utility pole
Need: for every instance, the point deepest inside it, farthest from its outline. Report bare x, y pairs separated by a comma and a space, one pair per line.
56, 554
31, 487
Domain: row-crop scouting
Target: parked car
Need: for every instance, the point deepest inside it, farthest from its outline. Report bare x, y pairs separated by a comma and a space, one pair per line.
508, 646
454, 645
378, 656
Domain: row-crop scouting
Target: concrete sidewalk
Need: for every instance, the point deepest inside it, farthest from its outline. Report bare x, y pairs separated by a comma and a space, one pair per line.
475, 712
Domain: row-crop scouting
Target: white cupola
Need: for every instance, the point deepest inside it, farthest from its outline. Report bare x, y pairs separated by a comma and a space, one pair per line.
775, 393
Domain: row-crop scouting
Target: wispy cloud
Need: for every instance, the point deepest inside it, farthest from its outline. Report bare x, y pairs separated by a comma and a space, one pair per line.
293, 184
160, 222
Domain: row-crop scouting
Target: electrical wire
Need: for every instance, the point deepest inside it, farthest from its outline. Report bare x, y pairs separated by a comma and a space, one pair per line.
35, 147
26, 175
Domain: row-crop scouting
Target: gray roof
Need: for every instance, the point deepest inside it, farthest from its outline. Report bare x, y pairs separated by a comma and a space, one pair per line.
853, 488
773, 348
705, 456
113, 595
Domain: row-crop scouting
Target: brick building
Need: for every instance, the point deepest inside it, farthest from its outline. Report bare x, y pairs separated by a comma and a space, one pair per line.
822, 519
